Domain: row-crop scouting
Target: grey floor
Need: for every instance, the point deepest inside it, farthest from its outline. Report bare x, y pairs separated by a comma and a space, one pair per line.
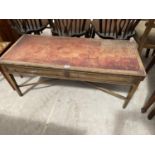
71, 107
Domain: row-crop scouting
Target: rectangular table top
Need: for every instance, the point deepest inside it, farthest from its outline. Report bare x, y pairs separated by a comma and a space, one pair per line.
76, 53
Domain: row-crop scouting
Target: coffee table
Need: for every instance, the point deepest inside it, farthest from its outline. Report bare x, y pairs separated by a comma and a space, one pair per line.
91, 60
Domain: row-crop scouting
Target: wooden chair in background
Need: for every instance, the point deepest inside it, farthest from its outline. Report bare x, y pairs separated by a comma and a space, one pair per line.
28, 26
150, 65
114, 28
145, 35
8, 37
148, 104
7, 34
70, 27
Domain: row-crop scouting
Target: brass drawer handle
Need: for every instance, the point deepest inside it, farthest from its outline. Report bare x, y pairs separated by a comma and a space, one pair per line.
33, 71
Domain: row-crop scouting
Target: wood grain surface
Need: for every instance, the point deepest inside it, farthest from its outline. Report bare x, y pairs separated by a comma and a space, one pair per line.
76, 52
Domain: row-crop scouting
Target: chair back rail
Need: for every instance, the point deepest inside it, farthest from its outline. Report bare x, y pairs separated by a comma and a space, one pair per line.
27, 26
70, 27
115, 28
142, 40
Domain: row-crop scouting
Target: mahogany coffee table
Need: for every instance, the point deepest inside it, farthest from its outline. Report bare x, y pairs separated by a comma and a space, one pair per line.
91, 60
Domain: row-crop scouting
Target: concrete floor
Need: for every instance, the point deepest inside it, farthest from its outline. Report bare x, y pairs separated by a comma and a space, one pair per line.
71, 107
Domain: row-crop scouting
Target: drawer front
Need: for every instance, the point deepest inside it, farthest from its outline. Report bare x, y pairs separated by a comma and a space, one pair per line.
49, 72
73, 75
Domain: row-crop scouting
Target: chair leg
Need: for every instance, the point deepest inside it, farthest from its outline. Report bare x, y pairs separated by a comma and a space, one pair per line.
151, 114
148, 103
153, 53
147, 52
150, 65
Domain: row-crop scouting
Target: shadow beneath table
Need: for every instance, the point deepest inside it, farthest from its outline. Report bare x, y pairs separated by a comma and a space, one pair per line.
29, 79
11, 125
116, 88
48, 82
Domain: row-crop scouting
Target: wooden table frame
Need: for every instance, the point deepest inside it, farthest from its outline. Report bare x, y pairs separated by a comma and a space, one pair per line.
71, 74
90, 75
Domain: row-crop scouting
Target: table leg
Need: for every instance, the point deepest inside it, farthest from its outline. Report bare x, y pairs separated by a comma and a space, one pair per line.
10, 78
6, 77
16, 85
149, 103
131, 92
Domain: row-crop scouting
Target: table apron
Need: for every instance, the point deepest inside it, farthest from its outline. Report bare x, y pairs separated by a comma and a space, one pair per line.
73, 74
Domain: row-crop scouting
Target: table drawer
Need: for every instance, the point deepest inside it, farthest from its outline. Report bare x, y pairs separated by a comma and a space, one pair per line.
49, 72
72, 74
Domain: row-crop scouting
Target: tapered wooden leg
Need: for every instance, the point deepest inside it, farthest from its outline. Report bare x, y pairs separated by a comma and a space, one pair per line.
147, 52
148, 103
150, 65
16, 86
151, 114
130, 94
153, 53
6, 77
11, 80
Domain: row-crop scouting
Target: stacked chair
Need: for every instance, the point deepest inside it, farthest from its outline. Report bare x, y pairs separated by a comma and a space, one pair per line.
145, 35
28, 26
70, 27
114, 28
